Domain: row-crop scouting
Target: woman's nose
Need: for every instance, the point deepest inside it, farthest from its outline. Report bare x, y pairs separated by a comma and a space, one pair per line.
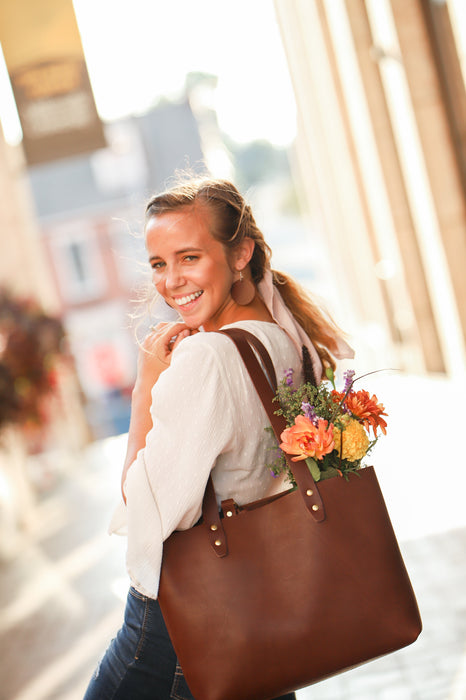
174, 278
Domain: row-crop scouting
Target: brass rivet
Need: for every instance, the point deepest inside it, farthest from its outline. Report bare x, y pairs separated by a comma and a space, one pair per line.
315, 507
229, 513
310, 492
218, 543
214, 527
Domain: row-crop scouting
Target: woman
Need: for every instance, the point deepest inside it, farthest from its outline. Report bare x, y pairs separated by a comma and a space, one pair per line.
194, 409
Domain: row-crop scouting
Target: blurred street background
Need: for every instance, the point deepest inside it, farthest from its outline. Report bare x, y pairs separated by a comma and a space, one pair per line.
344, 123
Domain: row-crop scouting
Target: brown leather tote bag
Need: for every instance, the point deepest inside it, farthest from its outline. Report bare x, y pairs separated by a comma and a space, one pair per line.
283, 592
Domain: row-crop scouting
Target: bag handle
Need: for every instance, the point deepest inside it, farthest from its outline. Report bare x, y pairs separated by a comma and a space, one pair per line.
300, 470
239, 334
266, 388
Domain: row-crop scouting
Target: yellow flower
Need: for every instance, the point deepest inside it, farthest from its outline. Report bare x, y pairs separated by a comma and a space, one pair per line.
355, 440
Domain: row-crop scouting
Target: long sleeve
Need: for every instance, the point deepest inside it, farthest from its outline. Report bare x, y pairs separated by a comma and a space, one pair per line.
192, 425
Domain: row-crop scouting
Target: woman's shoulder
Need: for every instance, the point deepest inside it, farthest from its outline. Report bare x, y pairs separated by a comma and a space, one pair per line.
275, 339
204, 353
207, 342
197, 368
213, 353
266, 329
217, 339
208, 360
202, 367
216, 342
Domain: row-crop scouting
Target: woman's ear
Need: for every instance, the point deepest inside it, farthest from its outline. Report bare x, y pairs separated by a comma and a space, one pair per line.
243, 253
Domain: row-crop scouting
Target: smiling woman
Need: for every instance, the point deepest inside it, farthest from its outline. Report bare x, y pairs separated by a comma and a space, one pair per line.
193, 272
194, 408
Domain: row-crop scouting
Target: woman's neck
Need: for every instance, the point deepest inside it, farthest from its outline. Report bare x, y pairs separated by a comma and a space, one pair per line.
255, 311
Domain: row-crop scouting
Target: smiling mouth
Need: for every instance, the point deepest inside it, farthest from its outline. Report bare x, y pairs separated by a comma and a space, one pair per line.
183, 301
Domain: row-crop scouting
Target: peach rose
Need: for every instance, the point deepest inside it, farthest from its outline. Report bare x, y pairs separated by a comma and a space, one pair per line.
304, 439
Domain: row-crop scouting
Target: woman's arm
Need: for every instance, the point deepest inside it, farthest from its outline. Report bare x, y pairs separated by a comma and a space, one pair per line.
154, 357
195, 421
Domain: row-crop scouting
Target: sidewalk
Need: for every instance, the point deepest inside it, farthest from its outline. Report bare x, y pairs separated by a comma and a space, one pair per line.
62, 600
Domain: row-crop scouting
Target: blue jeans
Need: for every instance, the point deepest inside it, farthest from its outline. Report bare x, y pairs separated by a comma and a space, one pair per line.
140, 663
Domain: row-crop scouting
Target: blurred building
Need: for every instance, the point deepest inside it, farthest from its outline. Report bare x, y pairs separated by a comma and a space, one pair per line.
23, 265
90, 211
26, 274
381, 154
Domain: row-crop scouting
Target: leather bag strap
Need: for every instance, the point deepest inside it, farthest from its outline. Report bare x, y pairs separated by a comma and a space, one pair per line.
300, 470
265, 385
240, 334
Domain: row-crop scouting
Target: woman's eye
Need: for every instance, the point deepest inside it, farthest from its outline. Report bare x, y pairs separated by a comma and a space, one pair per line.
190, 258
157, 265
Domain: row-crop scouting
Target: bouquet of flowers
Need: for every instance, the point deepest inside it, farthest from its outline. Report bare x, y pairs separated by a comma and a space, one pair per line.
332, 430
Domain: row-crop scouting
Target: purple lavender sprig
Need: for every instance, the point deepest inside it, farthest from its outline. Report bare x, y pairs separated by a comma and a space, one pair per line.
348, 377
289, 377
309, 412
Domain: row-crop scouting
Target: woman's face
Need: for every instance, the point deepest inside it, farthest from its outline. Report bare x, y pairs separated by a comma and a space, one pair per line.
190, 268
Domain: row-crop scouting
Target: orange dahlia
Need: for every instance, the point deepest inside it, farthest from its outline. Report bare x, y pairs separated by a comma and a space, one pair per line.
304, 439
367, 409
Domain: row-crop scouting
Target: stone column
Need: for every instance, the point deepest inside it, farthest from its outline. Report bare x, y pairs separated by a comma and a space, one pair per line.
331, 183
413, 21
404, 227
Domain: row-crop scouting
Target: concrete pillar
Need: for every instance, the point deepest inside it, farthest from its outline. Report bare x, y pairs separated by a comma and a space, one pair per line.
437, 139
382, 140
330, 182
414, 273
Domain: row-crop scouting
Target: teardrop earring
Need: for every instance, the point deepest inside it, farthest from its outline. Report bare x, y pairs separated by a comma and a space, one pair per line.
243, 290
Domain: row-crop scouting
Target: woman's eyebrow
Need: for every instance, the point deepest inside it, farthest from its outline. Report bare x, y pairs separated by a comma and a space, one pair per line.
177, 252
188, 250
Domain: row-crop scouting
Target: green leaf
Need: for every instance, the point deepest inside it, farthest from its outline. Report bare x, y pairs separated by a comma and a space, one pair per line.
313, 468
329, 473
330, 376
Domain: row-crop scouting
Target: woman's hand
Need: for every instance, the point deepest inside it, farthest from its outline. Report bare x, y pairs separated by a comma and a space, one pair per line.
156, 350
154, 357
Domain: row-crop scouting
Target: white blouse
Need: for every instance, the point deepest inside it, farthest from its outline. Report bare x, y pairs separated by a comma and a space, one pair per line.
206, 416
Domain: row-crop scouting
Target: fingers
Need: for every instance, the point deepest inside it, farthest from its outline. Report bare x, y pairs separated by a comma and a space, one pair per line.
181, 335
156, 350
168, 328
165, 336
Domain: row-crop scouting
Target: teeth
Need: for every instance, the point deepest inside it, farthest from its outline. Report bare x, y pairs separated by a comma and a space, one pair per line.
187, 299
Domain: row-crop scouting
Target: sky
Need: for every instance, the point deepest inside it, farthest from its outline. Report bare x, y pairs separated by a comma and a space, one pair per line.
140, 50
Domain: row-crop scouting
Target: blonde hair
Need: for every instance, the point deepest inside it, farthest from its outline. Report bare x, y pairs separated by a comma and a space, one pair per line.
231, 221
